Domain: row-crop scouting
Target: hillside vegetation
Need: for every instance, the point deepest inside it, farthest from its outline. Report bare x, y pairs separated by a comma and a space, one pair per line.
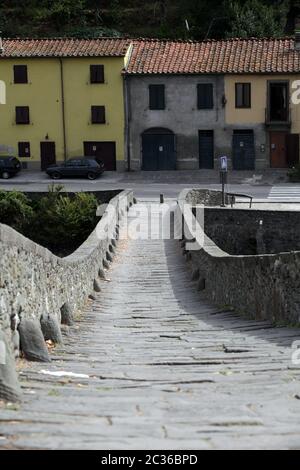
152, 18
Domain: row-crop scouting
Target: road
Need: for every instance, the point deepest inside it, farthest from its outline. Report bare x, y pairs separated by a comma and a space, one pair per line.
269, 188
144, 186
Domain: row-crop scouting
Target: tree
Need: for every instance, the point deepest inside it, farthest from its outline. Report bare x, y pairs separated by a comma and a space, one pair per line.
154, 18
257, 18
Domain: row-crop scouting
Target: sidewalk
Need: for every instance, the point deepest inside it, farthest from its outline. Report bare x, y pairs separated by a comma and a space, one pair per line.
253, 178
256, 178
39, 177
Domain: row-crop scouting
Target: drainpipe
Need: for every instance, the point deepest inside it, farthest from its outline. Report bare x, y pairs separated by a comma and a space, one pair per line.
63, 107
127, 120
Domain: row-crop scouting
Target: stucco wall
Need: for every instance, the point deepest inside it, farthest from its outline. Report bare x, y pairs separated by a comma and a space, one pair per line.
34, 282
254, 117
183, 118
261, 286
180, 116
259, 86
43, 95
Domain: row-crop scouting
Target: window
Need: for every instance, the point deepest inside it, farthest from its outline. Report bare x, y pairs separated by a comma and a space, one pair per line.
157, 97
20, 74
24, 149
205, 96
278, 97
243, 95
97, 73
98, 114
22, 115
73, 163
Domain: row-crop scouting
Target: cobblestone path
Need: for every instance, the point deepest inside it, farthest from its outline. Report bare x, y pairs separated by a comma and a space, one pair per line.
162, 368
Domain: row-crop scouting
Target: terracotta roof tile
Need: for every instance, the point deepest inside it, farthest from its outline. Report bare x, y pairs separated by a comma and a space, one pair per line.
65, 47
151, 56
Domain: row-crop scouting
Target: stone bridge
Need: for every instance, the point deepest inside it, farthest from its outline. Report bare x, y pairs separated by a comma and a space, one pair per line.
153, 363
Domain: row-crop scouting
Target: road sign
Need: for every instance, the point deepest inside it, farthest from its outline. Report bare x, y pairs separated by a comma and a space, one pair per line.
224, 163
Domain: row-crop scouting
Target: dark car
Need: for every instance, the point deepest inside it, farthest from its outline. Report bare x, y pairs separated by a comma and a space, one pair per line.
76, 167
9, 166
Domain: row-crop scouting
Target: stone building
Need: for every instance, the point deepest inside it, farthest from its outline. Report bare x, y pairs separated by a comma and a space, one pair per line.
188, 103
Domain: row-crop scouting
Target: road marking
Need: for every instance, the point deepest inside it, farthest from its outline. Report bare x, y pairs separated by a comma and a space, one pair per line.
285, 193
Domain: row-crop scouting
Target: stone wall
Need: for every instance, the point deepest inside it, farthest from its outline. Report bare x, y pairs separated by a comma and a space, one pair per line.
206, 197
261, 287
39, 291
248, 232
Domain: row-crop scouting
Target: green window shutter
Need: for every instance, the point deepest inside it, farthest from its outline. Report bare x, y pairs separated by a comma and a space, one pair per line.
205, 96
157, 97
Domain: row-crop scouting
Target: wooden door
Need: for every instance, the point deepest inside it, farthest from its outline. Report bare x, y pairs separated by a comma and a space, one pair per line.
102, 151
243, 150
278, 149
206, 149
292, 149
158, 152
48, 155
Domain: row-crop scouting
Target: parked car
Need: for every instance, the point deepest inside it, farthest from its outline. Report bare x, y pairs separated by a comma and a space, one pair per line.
76, 167
9, 166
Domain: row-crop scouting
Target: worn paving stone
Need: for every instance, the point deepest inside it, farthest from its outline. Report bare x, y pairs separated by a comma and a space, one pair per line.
167, 369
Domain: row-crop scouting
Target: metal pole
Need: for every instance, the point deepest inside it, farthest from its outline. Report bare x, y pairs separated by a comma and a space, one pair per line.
223, 176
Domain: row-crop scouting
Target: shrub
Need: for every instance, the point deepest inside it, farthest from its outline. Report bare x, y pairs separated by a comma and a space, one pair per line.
58, 221
294, 173
15, 210
62, 222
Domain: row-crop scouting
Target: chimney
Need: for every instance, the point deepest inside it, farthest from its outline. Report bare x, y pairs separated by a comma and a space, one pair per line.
297, 34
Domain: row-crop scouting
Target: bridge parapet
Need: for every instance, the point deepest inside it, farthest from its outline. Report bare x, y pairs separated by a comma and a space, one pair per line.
262, 287
39, 291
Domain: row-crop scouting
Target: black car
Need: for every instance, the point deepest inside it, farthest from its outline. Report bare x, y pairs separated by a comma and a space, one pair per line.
9, 166
76, 167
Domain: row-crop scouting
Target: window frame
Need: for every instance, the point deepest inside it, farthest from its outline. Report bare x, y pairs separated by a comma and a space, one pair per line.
23, 67
244, 85
22, 150
22, 121
94, 114
154, 100
211, 86
100, 77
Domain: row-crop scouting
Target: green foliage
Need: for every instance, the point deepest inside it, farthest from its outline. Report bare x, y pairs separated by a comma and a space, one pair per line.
257, 18
57, 221
15, 210
294, 173
63, 222
154, 18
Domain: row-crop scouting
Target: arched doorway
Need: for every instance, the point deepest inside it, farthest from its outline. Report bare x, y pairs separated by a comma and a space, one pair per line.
158, 150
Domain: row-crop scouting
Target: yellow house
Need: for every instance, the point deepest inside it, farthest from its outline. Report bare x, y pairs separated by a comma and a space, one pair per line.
64, 98
262, 102
270, 113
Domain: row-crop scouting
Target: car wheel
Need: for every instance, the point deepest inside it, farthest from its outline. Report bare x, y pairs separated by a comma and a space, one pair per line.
91, 175
55, 175
5, 175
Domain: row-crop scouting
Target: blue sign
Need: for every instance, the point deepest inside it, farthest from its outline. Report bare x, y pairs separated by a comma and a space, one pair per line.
224, 163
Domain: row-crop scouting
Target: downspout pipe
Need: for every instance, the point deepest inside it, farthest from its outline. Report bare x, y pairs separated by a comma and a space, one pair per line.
127, 121
63, 107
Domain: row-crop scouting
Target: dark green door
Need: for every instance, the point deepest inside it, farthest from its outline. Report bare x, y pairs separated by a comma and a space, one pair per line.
206, 149
158, 152
243, 150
